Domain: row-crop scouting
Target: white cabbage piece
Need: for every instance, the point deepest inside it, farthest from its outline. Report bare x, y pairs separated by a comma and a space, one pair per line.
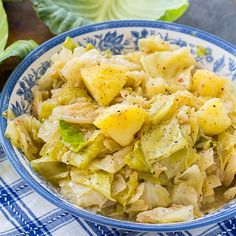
51, 169
121, 60
81, 113
99, 181
167, 64
83, 158
52, 75
136, 78
177, 213
153, 44
163, 107
225, 148
118, 184
155, 195
49, 130
183, 194
112, 163
137, 195
230, 170
206, 159
160, 141
23, 133
192, 176
81, 195
139, 205
111, 145
230, 193
179, 161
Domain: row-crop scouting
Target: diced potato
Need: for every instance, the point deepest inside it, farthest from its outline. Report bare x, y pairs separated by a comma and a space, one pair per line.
212, 117
153, 44
104, 82
167, 64
207, 83
121, 122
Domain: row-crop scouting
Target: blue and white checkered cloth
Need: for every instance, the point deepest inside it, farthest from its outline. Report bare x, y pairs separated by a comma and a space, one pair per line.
24, 212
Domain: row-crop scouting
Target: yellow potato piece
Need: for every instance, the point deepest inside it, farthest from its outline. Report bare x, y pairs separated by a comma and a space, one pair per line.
121, 122
212, 117
207, 83
104, 82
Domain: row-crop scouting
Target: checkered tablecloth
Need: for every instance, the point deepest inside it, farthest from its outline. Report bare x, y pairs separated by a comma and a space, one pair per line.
24, 212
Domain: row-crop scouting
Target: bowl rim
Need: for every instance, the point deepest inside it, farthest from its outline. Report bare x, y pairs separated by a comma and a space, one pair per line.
34, 55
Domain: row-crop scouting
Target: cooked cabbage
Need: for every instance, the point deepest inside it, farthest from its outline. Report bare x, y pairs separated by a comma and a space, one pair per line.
145, 136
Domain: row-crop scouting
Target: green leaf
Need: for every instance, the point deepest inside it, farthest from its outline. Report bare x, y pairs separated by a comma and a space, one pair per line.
3, 27
83, 158
61, 15
19, 49
71, 136
174, 14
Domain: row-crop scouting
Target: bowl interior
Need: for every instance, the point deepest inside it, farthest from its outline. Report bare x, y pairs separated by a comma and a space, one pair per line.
119, 37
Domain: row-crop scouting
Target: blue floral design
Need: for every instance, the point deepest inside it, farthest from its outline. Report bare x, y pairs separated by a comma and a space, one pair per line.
232, 65
25, 89
110, 41
219, 64
138, 35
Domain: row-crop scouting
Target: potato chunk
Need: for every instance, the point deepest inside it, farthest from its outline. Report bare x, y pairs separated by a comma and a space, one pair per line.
212, 117
207, 83
104, 82
121, 122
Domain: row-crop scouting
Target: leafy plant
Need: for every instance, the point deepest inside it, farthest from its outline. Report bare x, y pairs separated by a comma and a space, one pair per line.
19, 48
60, 15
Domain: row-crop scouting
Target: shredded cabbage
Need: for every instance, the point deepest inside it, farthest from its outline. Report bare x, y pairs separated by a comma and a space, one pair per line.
144, 136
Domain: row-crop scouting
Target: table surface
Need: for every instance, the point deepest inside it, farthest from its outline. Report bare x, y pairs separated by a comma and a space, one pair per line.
215, 16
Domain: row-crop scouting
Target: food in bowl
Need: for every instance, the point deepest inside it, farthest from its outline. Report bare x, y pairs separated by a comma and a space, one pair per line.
145, 136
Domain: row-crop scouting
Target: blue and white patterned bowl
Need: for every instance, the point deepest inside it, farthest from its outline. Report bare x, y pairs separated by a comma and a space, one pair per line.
119, 37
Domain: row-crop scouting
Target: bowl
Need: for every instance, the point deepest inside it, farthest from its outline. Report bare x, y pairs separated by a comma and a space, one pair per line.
119, 36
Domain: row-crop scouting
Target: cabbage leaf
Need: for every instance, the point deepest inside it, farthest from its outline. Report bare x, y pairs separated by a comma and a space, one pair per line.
112, 163
3, 27
176, 213
179, 161
136, 160
81, 195
99, 181
23, 133
83, 158
161, 141
20, 49
124, 195
71, 136
61, 15
52, 170
155, 195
